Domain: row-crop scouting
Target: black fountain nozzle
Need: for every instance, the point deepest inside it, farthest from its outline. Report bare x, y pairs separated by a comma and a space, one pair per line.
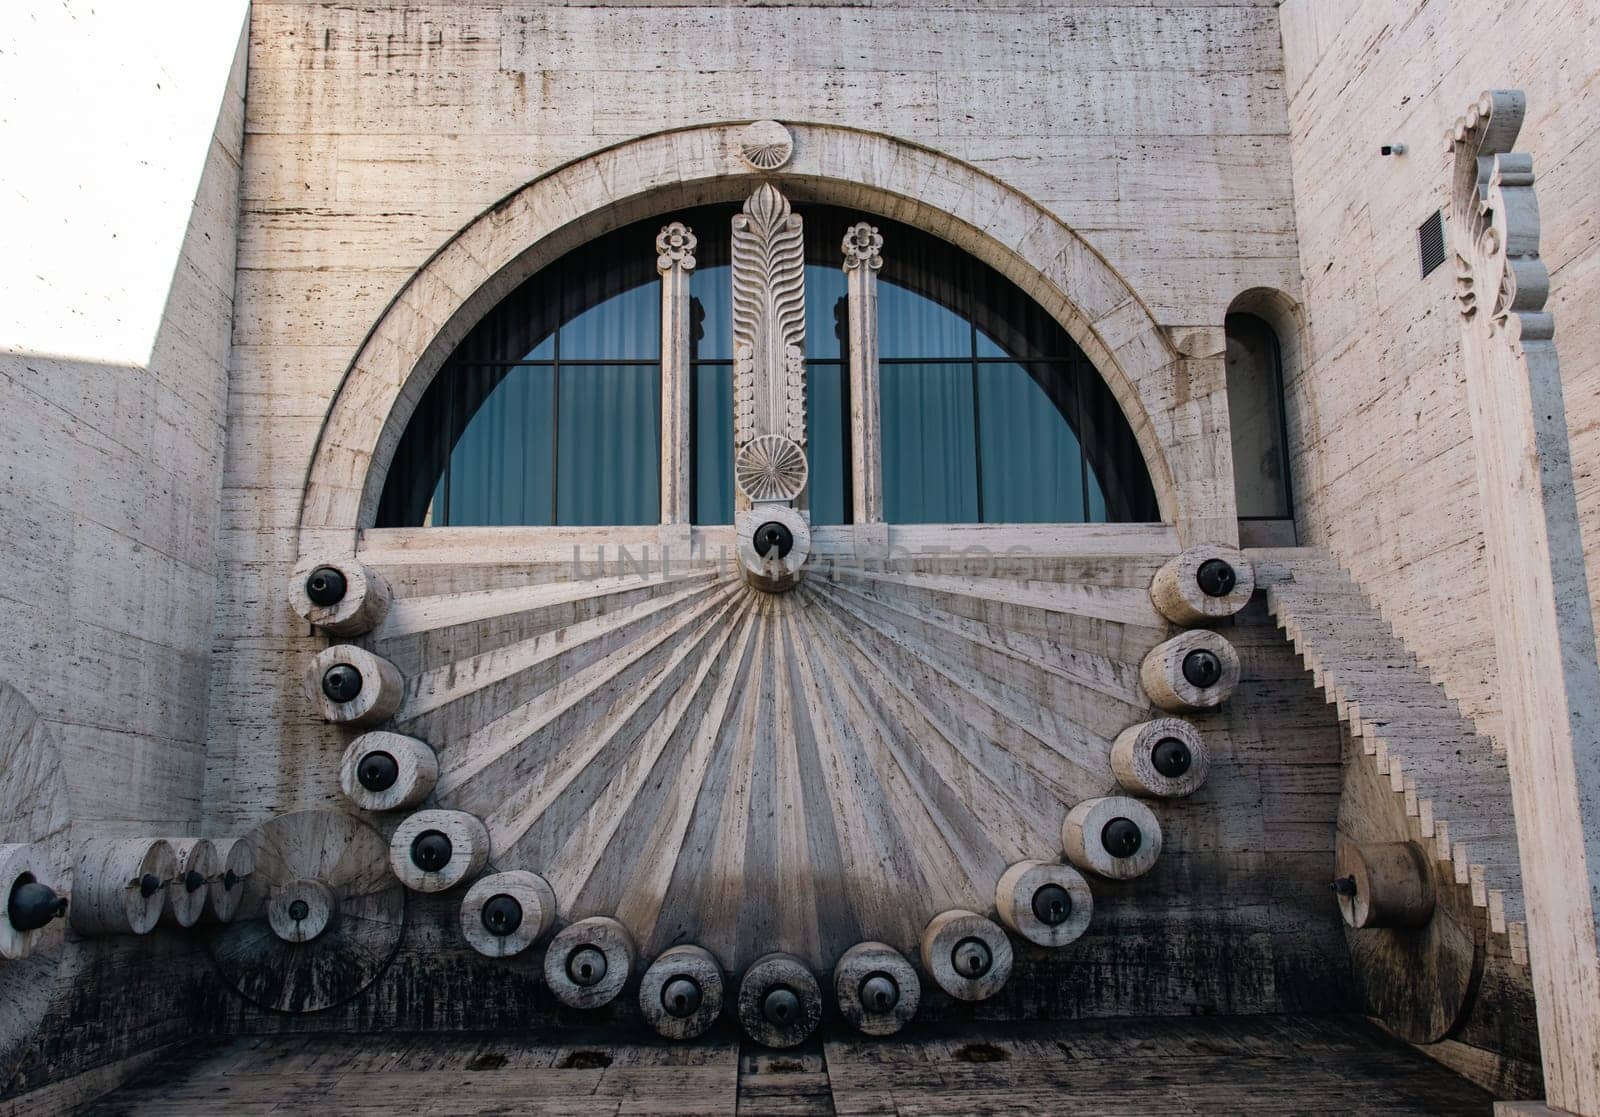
1216, 578
773, 534
31, 905
1171, 757
150, 884
1202, 668
1052, 904
193, 881
299, 910
326, 586
501, 915
972, 958
431, 850
781, 1006
586, 965
230, 880
378, 771
1345, 886
1121, 837
879, 992
341, 682
681, 996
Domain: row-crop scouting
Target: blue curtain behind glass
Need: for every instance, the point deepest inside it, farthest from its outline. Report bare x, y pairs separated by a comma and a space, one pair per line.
1032, 466
929, 449
501, 469
711, 384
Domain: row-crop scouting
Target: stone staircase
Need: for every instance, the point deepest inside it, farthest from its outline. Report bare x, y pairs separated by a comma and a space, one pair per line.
1454, 781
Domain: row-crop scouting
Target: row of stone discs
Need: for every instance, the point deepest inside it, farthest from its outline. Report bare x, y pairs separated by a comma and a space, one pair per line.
1118, 837
682, 992
120, 886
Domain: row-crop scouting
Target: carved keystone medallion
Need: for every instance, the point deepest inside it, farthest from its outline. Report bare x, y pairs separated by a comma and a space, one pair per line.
765, 145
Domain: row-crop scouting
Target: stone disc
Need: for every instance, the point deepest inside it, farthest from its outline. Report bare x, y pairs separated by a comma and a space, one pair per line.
352, 859
1422, 981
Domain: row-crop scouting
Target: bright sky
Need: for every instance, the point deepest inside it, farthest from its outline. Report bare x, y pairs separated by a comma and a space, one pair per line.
107, 109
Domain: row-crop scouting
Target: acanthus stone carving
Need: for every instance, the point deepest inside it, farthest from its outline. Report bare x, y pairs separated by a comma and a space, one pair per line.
769, 320
1497, 254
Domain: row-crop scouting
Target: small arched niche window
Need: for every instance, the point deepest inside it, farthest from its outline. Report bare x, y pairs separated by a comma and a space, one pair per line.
549, 412
1256, 417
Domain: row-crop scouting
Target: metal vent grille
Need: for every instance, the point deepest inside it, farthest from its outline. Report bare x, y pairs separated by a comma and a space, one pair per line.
1430, 242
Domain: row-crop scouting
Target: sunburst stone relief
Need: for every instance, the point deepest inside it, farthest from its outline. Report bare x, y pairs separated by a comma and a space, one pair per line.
753, 772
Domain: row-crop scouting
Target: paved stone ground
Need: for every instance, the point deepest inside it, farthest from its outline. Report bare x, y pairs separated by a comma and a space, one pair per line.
1197, 1065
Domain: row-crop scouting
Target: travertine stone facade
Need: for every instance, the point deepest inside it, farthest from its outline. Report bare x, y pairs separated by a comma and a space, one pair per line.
374, 134
1385, 472
1138, 167
118, 288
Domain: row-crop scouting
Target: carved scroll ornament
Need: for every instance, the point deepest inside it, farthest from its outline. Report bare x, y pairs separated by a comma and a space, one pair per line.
1492, 198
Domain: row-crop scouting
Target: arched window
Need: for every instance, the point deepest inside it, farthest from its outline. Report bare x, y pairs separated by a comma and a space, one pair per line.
1256, 416
549, 411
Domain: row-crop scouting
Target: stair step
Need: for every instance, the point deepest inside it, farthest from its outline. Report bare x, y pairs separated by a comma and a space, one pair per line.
1451, 778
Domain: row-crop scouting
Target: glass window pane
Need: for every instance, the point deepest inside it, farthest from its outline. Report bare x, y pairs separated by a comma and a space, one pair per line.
1097, 501
826, 310
929, 450
1029, 458
827, 441
500, 466
624, 327
1255, 412
608, 444
711, 313
911, 325
711, 437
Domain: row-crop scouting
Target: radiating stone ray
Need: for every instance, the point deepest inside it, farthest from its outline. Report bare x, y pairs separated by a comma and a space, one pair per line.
1048, 715
572, 645
796, 772
575, 863
520, 811
988, 663
546, 604
967, 792
516, 728
651, 871
1111, 677
942, 858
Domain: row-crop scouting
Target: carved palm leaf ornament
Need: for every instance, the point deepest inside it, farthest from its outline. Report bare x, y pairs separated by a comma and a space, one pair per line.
769, 323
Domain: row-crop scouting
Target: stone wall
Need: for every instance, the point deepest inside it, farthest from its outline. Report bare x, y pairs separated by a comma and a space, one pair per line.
122, 129
114, 340
373, 134
1385, 472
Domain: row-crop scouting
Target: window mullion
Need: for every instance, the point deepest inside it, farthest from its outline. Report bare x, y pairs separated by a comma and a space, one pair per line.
863, 256
675, 247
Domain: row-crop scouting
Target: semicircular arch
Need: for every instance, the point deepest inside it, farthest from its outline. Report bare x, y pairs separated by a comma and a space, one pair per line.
1172, 419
